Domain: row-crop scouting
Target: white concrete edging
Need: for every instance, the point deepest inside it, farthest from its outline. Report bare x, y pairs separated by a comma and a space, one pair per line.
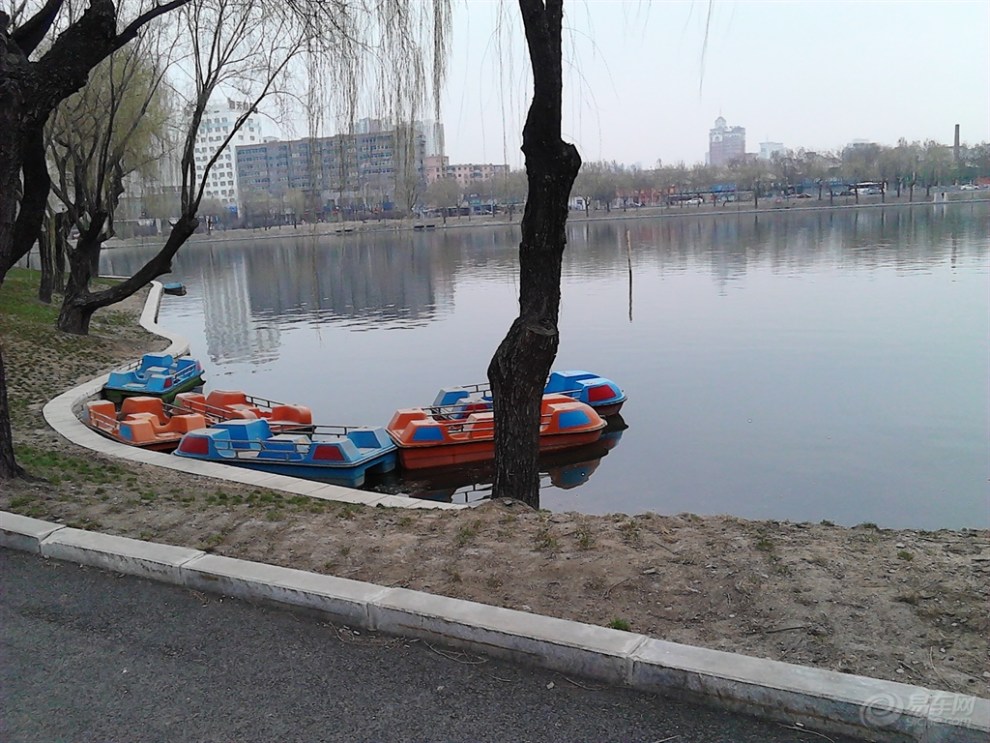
61, 413
820, 700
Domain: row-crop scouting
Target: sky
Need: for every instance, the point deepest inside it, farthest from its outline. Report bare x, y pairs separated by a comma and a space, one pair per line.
641, 83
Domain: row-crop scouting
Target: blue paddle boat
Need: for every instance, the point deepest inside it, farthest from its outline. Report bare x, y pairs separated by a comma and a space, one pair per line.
341, 453
156, 375
603, 395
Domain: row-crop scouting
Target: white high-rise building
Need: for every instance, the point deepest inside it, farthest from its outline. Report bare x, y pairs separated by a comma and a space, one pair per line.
217, 124
769, 149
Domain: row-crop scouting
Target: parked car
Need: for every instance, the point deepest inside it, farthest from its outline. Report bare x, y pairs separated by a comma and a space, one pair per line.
802, 196
969, 187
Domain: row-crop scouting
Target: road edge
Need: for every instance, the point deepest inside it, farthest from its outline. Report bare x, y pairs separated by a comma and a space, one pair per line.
816, 699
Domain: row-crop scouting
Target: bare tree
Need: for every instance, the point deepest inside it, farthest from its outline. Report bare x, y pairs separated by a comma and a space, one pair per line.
341, 40
29, 92
519, 368
112, 129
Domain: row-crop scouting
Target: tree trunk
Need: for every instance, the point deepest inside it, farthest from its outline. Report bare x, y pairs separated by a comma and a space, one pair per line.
519, 368
79, 303
11, 113
9, 468
62, 227
46, 257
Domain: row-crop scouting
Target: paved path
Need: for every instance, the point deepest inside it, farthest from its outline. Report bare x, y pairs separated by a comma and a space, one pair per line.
92, 656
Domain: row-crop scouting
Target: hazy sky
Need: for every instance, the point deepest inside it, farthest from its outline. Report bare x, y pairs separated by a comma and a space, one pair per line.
809, 74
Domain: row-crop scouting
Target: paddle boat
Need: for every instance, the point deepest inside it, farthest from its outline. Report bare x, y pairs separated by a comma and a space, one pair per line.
225, 405
431, 437
342, 453
155, 375
143, 422
565, 470
600, 393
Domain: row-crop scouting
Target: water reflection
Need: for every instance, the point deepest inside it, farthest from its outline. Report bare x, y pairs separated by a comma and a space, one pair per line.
803, 365
564, 470
407, 280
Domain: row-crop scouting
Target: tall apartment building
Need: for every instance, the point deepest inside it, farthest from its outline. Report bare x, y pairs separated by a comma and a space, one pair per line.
371, 166
217, 124
725, 143
769, 149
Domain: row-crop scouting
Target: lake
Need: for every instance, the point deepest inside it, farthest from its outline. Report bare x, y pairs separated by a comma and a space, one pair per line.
811, 365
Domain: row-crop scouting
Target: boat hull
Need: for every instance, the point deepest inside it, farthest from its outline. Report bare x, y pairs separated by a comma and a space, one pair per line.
446, 455
350, 476
164, 446
342, 454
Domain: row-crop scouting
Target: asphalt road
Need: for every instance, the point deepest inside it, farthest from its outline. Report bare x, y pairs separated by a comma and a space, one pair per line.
93, 656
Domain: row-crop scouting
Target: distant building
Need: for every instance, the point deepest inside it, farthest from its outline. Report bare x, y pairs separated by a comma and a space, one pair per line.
435, 168
769, 149
366, 167
725, 143
217, 124
469, 173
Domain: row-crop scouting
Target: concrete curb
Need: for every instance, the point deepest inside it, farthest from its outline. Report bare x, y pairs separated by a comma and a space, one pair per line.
61, 413
820, 700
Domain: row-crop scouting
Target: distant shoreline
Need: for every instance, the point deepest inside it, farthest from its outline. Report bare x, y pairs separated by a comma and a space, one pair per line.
345, 229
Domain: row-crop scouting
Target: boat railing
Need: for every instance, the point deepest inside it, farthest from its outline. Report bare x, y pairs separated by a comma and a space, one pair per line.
261, 402
287, 446
323, 432
216, 413
212, 414
485, 390
455, 419
102, 421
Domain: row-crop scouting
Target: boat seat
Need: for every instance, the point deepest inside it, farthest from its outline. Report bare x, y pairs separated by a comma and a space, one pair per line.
285, 446
142, 404
139, 429
187, 422
479, 425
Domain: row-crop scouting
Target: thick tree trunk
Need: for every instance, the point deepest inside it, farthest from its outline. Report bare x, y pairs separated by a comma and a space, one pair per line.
520, 366
79, 303
76, 312
11, 113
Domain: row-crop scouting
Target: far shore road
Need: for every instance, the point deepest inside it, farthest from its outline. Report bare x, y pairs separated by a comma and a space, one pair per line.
737, 208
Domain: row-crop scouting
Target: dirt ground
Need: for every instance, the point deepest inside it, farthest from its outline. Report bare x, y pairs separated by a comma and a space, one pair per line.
906, 605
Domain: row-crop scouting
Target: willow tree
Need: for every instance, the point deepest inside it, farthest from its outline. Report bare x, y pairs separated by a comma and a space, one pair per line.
518, 370
113, 129
227, 43
31, 86
349, 48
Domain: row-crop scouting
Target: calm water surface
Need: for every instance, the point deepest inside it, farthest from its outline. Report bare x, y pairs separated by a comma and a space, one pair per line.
804, 366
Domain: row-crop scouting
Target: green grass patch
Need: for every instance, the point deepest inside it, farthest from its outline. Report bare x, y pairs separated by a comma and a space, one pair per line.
466, 534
